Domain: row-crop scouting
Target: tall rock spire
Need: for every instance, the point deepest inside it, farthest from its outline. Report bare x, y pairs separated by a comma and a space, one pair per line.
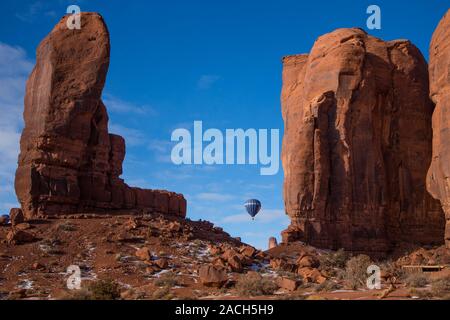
68, 161
438, 183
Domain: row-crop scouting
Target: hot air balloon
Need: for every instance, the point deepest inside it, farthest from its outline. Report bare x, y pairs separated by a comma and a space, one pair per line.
253, 206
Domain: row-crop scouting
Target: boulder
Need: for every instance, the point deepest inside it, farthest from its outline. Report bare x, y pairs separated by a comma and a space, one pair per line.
235, 263
228, 253
144, 254
438, 182
214, 250
218, 262
19, 237
357, 145
248, 251
212, 276
311, 275
132, 224
175, 226
276, 263
37, 266
4, 220
162, 263
69, 162
22, 226
261, 255
16, 216
307, 261
287, 283
282, 265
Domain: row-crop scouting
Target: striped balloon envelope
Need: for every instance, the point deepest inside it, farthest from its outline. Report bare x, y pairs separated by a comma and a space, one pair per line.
253, 206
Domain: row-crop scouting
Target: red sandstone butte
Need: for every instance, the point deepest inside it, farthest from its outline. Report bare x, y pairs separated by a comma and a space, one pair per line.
69, 162
357, 145
438, 183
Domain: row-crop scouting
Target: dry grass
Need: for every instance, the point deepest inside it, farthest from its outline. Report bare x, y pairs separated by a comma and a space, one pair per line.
440, 288
421, 294
167, 280
67, 226
98, 290
328, 286
416, 280
162, 294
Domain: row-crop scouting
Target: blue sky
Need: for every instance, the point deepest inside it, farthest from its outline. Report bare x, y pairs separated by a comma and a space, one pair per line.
179, 61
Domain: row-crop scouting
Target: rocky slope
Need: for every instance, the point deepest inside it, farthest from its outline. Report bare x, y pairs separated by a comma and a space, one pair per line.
357, 145
439, 172
68, 161
155, 256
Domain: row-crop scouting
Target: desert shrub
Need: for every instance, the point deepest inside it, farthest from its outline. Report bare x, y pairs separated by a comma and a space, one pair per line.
391, 268
294, 296
333, 260
422, 294
416, 280
162, 294
82, 294
289, 275
255, 286
356, 271
98, 290
328, 286
104, 290
67, 226
132, 294
167, 280
441, 288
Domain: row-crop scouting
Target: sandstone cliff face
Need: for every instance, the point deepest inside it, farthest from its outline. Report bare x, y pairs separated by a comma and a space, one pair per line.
69, 162
357, 144
438, 183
